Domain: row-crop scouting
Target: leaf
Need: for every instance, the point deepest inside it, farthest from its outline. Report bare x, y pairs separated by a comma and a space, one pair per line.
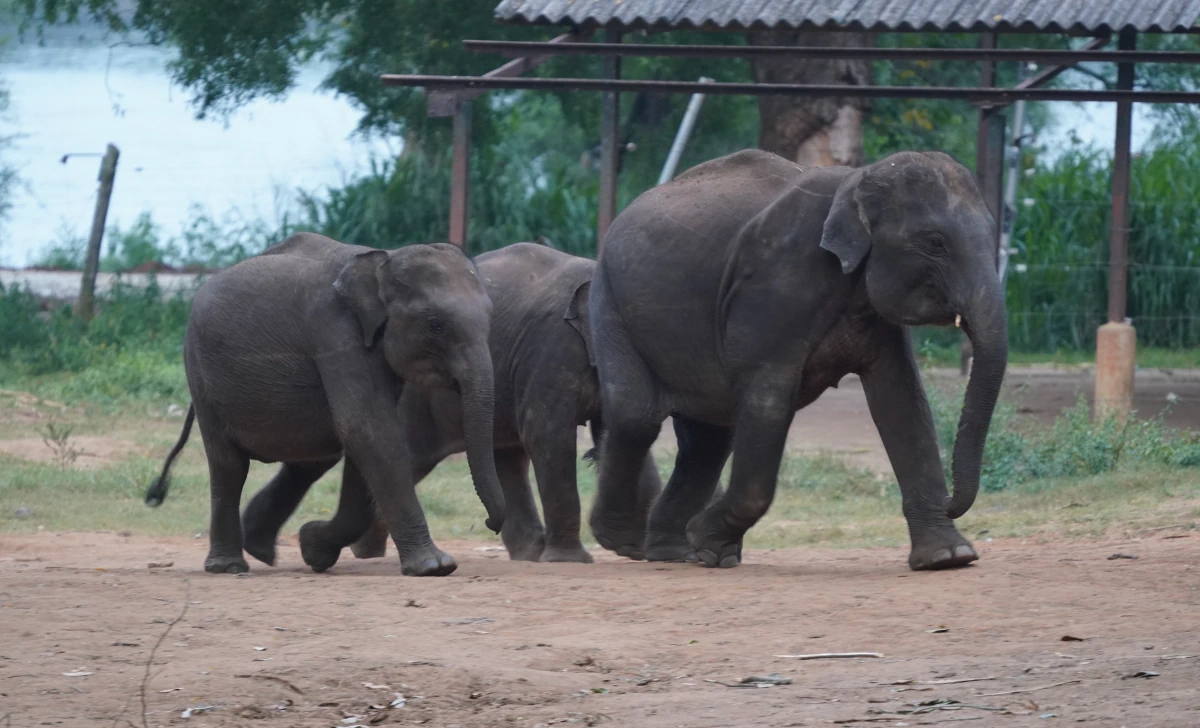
373, 686
188, 713
77, 673
1069, 638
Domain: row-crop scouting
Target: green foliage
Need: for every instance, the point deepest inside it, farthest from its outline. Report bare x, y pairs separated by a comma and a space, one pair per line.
204, 242
1075, 446
1058, 283
130, 350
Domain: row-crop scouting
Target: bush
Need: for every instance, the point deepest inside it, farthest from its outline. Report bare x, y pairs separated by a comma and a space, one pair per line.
1075, 446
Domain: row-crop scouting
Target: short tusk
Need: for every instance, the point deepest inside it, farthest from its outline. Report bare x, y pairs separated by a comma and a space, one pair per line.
958, 320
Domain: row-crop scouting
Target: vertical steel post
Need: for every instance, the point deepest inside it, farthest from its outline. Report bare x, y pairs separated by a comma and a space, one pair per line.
1116, 341
1118, 255
460, 173
984, 170
91, 264
610, 130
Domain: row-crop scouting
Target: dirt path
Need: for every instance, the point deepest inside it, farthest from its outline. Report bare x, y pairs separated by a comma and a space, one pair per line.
616, 643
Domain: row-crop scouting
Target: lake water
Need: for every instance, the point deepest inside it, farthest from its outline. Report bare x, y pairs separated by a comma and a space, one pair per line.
76, 94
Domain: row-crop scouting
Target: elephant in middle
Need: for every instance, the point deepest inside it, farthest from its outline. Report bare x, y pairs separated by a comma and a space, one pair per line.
546, 386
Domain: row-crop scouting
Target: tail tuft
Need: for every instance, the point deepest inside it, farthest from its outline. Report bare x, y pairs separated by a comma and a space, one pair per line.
590, 456
157, 492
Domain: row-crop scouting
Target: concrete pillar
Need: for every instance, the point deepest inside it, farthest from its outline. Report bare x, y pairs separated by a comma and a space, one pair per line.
1116, 349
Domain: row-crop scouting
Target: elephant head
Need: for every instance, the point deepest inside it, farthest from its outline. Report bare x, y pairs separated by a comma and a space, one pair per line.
425, 306
928, 242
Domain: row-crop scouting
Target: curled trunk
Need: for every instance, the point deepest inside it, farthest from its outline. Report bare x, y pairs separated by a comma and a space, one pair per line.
478, 414
985, 325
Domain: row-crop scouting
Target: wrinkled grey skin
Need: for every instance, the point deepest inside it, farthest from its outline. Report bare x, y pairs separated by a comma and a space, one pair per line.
545, 385
736, 294
299, 356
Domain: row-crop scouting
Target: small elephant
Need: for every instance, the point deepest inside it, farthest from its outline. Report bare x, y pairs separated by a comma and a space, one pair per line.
736, 294
299, 356
546, 387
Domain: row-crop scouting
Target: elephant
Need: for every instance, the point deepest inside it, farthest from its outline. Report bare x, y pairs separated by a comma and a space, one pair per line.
545, 387
734, 295
299, 355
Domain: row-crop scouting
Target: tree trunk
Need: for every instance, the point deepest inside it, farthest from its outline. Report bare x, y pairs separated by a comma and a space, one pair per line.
812, 131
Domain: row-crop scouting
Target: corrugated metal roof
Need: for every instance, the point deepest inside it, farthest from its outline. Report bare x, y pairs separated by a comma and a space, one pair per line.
1089, 16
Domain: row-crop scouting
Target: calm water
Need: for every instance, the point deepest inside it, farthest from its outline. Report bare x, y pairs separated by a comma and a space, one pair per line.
74, 94
67, 96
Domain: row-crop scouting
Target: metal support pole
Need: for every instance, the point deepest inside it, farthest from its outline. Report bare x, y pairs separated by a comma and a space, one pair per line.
1008, 218
983, 170
610, 130
87, 289
681, 136
1116, 341
1118, 260
460, 173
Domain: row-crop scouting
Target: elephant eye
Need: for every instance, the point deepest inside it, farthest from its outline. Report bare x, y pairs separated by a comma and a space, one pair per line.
937, 242
435, 326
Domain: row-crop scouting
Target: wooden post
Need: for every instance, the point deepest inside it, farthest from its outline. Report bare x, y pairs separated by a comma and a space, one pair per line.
460, 174
85, 308
610, 130
1116, 341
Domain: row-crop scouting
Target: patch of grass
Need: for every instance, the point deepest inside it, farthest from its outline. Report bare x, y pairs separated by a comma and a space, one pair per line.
932, 353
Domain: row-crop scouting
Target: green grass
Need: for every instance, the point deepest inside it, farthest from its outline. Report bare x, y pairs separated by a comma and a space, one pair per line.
944, 355
1077, 480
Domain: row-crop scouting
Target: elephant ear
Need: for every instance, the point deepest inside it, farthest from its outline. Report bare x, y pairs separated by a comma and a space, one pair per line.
577, 315
846, 232
358, 286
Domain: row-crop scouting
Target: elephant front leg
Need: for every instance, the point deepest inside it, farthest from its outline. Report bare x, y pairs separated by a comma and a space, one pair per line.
553, 451
760, 434
901, 412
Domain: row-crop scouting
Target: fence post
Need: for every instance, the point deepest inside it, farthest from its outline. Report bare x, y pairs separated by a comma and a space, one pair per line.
1116, 341
85, 308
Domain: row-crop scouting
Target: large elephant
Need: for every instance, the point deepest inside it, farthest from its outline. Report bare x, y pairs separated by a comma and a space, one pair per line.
546, 387
736, 294
299, 356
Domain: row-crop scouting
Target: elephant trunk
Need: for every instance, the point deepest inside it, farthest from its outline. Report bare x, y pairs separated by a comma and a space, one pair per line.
985, 324
475, 380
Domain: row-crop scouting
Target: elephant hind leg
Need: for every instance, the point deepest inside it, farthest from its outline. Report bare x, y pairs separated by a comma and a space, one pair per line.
271, 506
227, 469
523, 533
703, 451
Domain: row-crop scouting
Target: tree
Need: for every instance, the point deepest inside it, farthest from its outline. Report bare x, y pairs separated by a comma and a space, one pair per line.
807, 130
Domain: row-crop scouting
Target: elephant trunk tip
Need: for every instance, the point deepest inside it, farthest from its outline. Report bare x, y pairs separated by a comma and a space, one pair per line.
495, 523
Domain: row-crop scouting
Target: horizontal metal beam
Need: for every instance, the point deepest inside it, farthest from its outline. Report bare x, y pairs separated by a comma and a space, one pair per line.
445, 103
987, 96
1078, 55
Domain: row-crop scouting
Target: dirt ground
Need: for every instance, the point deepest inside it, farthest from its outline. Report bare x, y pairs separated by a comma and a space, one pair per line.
615, 643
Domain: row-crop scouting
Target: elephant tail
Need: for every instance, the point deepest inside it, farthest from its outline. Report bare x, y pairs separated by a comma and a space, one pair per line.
157, 492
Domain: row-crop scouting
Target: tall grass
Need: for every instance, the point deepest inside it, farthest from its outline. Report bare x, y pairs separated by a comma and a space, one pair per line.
1058, 286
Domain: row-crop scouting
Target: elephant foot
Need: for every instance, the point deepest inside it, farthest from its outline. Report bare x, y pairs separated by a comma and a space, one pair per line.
615, 534
669, 549
575, 554
315, 549
225, 564
943, 548
260, 546
373, 543
369, 548
427, 561
523, 544
713, 542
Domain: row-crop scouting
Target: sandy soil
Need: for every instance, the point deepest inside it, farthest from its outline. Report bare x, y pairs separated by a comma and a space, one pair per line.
615, 643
